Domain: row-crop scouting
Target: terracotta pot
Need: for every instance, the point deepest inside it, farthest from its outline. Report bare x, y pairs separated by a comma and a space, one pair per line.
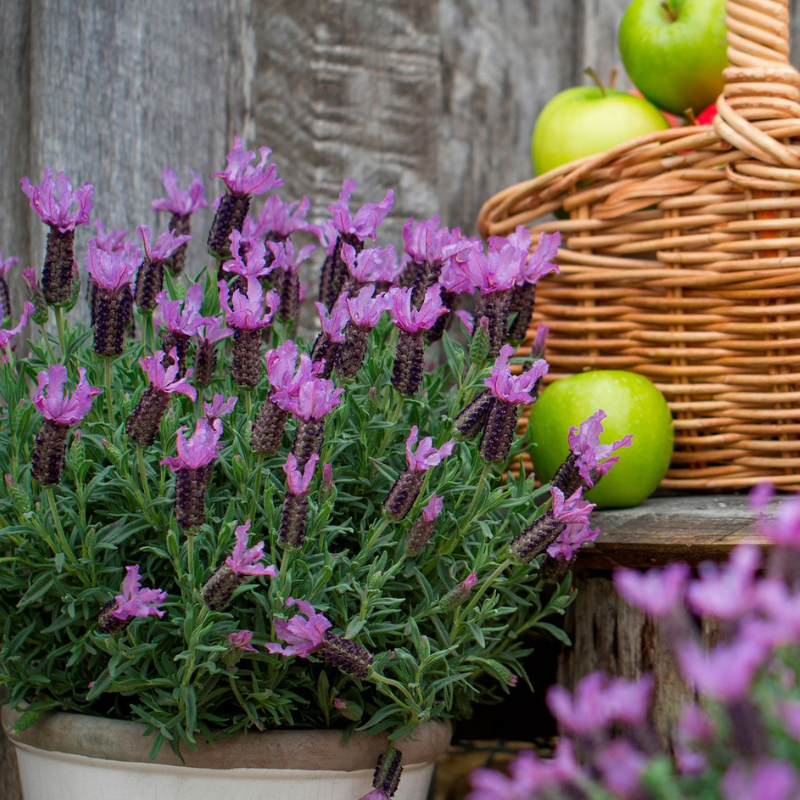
75, 757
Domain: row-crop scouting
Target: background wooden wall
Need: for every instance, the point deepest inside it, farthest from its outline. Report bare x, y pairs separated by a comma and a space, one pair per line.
436, 98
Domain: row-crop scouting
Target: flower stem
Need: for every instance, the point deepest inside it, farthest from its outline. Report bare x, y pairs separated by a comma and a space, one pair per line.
51, 501
109, 402
61, 336
47, 345
143, 473
190, 560
479, 592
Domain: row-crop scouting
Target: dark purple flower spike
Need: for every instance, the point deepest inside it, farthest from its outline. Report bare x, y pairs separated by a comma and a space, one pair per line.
150, 276
181, 204
133, 602
242, 180
63, 210
295, 503
60, 411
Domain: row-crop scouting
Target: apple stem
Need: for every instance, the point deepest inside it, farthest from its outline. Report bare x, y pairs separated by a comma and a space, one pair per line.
613, 78
594, 76
670, 10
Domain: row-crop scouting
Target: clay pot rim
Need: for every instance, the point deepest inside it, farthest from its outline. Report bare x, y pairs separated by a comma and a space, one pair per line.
292, 749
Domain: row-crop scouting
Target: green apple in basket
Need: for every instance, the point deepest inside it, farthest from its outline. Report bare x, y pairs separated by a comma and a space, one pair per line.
675, 51
585, 120
632, 405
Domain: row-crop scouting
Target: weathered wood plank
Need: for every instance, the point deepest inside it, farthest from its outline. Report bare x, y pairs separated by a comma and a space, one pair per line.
118, 90
502, 60
15, 44
663, 529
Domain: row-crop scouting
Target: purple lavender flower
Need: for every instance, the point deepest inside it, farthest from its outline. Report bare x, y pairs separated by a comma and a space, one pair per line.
372, 265
725, 672
304, 632
112, 298
409, 359
658, 592
5, 296
181, 202
247, 316
406, 488
312, 635
364, 310
53, 201
181, 205
726, 591
60, 411
145, 419
191, 467
364, 224
241, 564
58, 406
533, 268
7, 334
460, 592
205, 354
288, 281
509, 391
544, 530
767, 779
350, 230
528, 774
243, 180
313, 400
134, 601
386, 777
109, 241
150, 277
285, 382
588, 460
422, 530
241, 641
600, 701
566, 545
278, 220
295, 504
253, 264
182, 319
219, 407
622, 766
328, 343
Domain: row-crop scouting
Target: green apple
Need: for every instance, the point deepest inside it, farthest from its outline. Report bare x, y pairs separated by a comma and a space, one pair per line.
633, 405
675, 51
585, 120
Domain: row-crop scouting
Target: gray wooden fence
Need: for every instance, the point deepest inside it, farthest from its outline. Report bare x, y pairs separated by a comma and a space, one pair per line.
435, 98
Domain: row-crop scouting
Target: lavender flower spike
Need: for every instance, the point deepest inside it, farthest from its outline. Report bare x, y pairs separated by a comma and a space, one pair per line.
364, 223
328, 343
295, 504
60, 411
245, 313
191, 467
313, 400
5, 295
181, 204
145, 419
53, 201
422, 530
509, 392
364, 311
312, 636
588, 460
150, 277
241, 564
243, 180
183, 320
406, 488
205, 354
537, 537
409, 359
112, 300
288, 280
386, 777
134, 601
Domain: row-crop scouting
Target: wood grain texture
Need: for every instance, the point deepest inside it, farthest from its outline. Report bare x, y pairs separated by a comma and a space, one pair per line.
119, 90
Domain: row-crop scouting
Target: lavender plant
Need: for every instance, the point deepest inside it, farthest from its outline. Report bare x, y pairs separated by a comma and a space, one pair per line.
740, 739
209, 525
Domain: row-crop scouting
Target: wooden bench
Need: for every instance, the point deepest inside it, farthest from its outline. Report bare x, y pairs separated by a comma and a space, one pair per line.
610, 635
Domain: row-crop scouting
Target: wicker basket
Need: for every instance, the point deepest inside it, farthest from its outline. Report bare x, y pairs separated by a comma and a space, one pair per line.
681, 261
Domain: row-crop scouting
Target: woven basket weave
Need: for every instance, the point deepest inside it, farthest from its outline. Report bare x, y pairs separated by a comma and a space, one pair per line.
681, 261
